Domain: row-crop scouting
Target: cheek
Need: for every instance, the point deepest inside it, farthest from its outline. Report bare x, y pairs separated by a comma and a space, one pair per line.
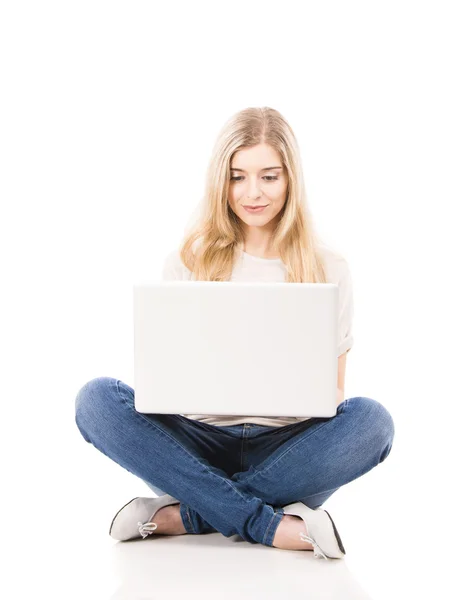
232, 197
279, 194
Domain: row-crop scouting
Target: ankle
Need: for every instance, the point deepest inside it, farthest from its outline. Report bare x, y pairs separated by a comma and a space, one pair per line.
287, 534
168, 519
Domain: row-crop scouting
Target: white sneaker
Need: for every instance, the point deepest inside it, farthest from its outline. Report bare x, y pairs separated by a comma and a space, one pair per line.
134, 519
322, 532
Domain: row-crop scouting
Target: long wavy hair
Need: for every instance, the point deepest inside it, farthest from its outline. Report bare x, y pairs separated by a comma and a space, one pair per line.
211, 245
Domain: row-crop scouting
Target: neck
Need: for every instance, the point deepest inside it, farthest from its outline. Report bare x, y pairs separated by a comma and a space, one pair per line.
263, 251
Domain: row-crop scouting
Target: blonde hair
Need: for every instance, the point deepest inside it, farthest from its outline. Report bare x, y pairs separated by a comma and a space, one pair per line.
210, 248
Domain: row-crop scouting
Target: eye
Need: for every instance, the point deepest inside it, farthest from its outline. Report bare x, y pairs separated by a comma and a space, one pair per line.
267, 177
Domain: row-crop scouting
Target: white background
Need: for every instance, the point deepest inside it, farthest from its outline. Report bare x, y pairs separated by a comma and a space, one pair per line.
109, 111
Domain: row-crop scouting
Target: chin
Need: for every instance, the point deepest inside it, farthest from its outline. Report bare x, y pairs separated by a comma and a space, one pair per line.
256, 219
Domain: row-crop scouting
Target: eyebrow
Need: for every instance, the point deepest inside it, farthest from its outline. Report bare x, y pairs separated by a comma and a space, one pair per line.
265, 169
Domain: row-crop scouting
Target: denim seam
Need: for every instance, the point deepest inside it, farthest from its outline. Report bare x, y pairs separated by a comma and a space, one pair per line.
189, 519
242, 461
268, 530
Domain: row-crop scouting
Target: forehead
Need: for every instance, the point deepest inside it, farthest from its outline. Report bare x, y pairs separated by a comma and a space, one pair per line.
255, 158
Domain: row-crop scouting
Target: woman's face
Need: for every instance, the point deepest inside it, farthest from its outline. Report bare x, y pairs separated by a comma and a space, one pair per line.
257, 178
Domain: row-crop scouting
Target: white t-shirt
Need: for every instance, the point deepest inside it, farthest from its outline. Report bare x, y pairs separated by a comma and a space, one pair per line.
254, 268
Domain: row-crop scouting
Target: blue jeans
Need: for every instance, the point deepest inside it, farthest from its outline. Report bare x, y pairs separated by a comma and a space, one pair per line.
234, 479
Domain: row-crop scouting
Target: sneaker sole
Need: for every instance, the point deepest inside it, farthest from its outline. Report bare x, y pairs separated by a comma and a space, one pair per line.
336, 533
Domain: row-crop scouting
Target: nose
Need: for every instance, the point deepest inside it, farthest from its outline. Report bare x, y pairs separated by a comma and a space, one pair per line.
253, 190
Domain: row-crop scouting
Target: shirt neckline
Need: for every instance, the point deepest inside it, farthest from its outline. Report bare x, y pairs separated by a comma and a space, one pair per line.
260, 258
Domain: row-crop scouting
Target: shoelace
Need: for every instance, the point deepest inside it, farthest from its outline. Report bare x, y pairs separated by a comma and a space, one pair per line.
317, 549
146, 529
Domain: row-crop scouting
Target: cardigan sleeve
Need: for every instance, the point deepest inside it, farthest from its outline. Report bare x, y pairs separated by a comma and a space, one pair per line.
174, 269
346, 309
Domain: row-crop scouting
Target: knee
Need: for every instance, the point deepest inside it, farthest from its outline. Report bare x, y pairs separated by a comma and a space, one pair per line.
90, 402
376, 421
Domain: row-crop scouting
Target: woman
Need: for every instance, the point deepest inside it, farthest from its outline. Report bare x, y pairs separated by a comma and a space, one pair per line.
262, 478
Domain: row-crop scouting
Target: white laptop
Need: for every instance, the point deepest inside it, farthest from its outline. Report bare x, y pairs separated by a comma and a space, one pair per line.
235, 348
